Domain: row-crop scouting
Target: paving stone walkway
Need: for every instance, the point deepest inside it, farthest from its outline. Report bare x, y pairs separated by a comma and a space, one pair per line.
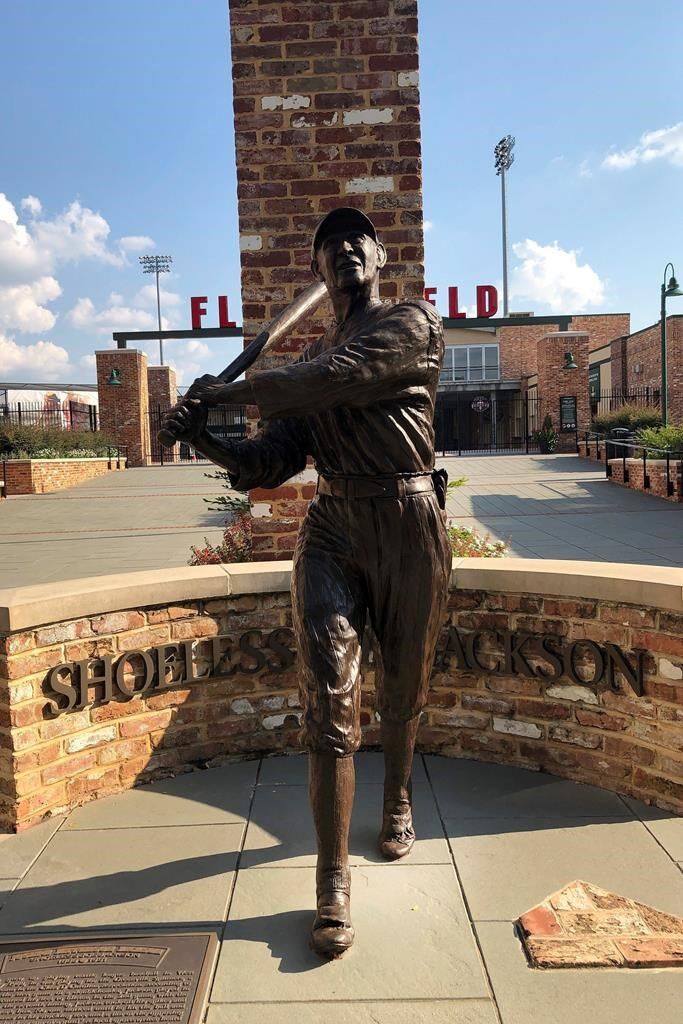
231, 850
561, 506
556, 506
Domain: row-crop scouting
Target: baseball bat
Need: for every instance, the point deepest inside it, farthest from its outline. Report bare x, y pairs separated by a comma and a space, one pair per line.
277, 329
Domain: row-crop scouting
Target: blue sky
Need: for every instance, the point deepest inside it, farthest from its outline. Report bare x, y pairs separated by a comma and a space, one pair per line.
117, 140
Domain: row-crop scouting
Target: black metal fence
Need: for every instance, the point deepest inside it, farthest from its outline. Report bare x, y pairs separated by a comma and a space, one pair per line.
470, 424
611, 399
228, 422
63, 416
631, 452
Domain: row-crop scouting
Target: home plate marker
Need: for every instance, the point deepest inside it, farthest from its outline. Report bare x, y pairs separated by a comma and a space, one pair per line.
584, 926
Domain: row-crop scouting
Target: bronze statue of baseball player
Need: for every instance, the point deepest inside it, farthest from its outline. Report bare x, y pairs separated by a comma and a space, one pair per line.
373, 545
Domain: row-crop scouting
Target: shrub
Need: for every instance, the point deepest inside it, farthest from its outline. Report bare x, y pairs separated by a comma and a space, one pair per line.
669, 439
634, 417
547, 437
233, 503
467, 543
24, 441
236, 545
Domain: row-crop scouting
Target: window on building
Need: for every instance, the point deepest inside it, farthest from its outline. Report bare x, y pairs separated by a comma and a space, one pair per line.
470, 363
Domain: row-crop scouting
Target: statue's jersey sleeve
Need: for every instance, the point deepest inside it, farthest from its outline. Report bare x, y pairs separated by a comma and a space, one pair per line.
385, 354
277, 452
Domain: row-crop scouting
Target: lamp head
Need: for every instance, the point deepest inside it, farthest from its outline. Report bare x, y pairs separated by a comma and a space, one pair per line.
114, 378
672, 287
569, 363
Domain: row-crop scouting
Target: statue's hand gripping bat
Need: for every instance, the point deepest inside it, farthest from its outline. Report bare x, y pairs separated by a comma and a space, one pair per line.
277, 329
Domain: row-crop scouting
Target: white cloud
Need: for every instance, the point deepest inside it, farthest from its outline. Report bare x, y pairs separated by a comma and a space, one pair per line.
43, 359
550, 275
427, 225
21, 260
114, 317
75, 234
198, 349
32, 205
136, 243
147, 296
660, 144
584, 170
22, 306
34, 250
88, 361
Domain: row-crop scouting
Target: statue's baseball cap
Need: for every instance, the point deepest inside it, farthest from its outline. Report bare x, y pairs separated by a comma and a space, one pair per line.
344, 218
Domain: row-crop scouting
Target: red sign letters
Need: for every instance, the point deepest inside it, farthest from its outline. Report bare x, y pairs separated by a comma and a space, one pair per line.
198, 310
487, 301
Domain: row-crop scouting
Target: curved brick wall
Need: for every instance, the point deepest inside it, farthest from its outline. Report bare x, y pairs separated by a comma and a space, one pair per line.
575, 669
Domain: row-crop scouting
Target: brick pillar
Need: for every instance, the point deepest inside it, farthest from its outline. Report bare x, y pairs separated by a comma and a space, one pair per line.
327, 114
161, 387
124, 408
163, 393
554, 382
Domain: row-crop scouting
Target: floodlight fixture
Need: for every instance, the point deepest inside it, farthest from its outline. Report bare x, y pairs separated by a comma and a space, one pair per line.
504, 159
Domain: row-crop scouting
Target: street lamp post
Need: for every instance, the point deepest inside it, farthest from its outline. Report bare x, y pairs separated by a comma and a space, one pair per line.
504, 160
157, 265
667, 290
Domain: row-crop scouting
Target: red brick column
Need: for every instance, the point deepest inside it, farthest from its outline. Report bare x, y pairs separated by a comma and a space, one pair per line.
124, 408
163, 393
161, 386
326, 105
554, 382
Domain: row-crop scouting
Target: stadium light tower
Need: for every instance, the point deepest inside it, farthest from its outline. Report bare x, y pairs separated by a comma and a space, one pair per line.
157, 265
504, 161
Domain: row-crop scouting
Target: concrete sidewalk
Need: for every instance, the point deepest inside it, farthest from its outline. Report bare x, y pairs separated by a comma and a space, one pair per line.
561, 506
556, 506
232, 850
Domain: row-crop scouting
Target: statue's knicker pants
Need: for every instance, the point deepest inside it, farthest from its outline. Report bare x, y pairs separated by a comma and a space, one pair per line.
387, 559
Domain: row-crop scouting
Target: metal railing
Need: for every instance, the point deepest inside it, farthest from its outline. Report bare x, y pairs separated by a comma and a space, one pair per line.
633, 449
608, 400
117, 453
67, 416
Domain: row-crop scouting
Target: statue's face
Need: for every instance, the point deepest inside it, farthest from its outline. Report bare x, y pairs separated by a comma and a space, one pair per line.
348, 260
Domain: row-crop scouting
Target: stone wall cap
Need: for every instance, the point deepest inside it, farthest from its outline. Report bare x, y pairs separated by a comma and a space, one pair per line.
77, 462
567, 334
647, 586
120, 352
23, 608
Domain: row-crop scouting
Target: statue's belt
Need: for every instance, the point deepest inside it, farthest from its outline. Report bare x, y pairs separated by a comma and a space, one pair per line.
374, 486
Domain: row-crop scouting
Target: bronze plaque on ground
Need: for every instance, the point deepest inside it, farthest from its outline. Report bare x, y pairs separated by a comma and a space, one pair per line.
156, 978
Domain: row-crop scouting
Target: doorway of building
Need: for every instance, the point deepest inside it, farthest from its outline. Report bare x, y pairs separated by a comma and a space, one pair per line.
486, 423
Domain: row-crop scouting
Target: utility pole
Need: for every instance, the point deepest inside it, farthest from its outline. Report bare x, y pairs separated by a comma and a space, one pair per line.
504, 158
157, 265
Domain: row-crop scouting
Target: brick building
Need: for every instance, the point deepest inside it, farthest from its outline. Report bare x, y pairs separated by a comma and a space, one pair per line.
501, 377
633, 362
